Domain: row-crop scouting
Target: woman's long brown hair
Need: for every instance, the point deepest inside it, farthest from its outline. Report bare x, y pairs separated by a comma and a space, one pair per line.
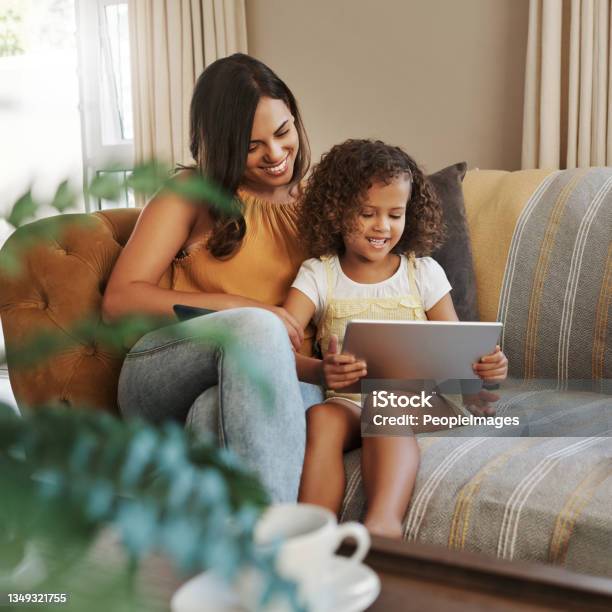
221, 118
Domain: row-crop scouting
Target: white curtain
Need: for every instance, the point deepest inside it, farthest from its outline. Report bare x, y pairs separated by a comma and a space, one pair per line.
567, 118
171, 42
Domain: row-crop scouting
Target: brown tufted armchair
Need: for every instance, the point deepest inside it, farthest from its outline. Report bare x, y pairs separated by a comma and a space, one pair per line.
61, 281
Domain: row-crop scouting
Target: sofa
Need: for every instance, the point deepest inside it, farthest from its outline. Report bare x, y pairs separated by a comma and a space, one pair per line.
542, 260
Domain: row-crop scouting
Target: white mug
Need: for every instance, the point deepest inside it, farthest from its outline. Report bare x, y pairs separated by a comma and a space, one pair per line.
308, 536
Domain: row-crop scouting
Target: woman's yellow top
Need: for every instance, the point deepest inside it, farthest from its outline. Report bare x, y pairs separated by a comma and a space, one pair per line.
262, 268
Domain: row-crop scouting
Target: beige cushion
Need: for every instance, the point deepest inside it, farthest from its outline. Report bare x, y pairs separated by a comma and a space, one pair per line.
494, 200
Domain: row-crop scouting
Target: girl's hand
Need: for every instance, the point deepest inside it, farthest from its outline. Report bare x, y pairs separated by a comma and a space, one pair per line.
294, 329
479, 403
340, 371
492, 367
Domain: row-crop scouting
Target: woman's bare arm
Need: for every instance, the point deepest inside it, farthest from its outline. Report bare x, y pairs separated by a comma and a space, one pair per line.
161, 230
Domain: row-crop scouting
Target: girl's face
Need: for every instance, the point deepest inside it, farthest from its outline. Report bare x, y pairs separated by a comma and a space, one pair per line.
381, 220
273, 147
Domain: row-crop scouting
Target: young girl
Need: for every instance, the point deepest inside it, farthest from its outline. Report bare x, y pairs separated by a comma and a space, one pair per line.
366, 211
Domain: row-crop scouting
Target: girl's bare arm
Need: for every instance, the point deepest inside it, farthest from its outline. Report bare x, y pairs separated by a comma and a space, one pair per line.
443, 310
309, 369
335, 371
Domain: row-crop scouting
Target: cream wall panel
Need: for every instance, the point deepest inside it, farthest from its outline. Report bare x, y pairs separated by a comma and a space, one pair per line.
442, 78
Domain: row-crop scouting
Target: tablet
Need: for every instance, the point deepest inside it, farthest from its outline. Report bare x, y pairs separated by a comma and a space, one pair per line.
415, 350
184, 313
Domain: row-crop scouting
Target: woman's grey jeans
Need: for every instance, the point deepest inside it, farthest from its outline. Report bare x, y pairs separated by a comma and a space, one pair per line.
231, 373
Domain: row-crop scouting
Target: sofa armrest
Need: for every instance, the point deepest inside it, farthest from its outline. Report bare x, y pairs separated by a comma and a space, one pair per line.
63, 264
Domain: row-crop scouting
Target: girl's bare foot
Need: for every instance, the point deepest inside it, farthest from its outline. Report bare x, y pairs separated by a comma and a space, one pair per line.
387, 527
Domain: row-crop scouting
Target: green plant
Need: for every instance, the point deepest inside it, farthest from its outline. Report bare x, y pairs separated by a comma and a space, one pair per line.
66, 475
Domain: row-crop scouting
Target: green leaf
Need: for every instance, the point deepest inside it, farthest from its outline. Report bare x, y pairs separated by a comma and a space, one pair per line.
195, 187
137, 520
10, 260
106, 186
149, 177
100, 501
64, 197
181, 487
23, 210
138, 455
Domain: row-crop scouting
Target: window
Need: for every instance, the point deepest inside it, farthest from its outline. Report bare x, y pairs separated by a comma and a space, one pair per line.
65, 97
106, 91
40, 127
65, 100
117, 125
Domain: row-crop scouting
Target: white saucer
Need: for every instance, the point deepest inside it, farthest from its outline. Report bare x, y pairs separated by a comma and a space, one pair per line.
205, 592
351, 587
345, 587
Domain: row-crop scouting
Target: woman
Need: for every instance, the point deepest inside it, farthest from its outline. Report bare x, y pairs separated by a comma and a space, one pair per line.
247, 137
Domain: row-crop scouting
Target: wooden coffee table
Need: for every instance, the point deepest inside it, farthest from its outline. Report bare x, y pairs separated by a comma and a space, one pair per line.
421, 577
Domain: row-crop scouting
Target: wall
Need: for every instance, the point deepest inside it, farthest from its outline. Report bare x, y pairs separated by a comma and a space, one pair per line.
442, 78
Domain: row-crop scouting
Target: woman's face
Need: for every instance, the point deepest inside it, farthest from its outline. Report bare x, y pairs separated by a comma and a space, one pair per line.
273, 147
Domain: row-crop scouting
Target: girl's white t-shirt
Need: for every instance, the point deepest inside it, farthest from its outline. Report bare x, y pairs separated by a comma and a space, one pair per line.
430, 278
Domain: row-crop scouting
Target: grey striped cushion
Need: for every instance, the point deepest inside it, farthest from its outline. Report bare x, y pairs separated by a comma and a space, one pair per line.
557, 290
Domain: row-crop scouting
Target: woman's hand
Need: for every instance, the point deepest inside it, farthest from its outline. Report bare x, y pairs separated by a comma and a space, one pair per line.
294, 329
492, 367
340, 371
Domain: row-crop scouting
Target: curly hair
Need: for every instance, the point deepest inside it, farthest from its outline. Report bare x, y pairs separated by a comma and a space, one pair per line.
337, 188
